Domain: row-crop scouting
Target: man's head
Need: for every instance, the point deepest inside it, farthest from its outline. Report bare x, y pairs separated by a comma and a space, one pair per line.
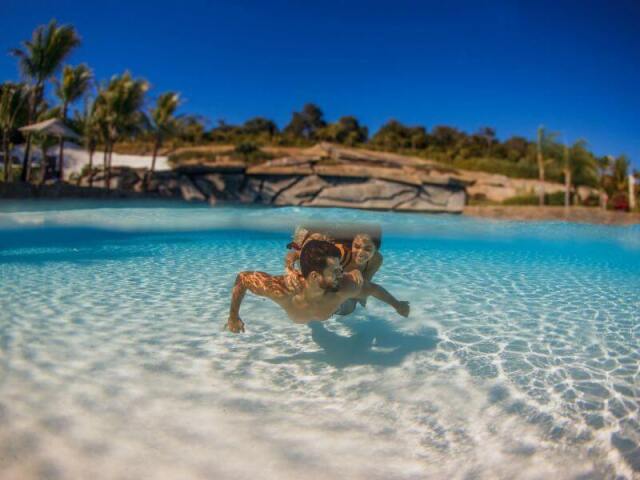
320, 264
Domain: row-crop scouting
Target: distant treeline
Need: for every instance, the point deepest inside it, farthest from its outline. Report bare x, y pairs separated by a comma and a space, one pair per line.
482, 150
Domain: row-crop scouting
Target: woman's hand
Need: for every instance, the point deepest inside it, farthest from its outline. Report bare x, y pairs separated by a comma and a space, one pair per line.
293, 279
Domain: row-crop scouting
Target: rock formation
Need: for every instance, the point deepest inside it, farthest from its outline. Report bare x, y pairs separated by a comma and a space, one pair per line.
322, 176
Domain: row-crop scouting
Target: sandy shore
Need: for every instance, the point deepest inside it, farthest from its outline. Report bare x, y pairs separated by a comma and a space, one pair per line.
573, 214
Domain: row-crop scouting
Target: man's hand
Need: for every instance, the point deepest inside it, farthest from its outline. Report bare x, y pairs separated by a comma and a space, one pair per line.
403, 308
235, 325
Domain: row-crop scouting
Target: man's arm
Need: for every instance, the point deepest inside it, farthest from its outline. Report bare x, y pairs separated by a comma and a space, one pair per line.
379, 292
258, 283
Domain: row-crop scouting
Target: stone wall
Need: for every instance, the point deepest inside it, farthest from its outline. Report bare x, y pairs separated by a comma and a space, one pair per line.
232, 184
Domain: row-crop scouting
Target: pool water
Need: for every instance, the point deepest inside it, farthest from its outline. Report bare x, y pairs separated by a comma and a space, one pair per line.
520, 359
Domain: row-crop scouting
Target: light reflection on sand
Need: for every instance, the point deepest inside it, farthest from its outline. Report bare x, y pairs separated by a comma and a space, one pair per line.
519, 360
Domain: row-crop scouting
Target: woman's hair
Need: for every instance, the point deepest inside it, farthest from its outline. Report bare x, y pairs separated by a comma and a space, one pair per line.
375, 238
373, 231
304, 234
334, 233
364, 235
314, 254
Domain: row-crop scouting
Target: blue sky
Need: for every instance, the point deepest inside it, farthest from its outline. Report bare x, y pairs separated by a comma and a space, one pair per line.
571, 66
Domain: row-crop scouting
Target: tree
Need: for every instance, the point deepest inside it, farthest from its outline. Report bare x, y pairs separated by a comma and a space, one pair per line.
444, 138
74, 84
191, 128
13, 113
45, 142
473, 146
488, 135
223, 133
347, 131
540, 163
545, 147
163, 122
306, 124
620, 172
567, 177
516, 149
260, 127
119, 110
583, 165
88, 124
393, 135
39, 59
418, 138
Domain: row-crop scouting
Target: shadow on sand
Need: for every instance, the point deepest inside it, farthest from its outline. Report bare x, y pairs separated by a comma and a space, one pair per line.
374, 342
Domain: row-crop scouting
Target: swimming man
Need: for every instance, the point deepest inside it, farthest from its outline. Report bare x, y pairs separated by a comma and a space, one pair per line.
325, 288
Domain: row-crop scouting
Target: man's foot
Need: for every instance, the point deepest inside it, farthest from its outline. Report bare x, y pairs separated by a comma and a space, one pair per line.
403, 308
235, 325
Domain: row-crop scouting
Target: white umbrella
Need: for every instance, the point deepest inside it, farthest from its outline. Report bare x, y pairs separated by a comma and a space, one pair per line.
54, 127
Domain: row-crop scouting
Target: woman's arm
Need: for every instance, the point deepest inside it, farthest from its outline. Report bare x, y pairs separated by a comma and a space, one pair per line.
290, 260
379, 292
293, 278
373, 266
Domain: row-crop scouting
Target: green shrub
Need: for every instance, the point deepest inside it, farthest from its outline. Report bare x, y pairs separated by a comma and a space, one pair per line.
592, 201
554, 199
176, 158
246, 148
497, 166
521, 200
251, 153
550, 199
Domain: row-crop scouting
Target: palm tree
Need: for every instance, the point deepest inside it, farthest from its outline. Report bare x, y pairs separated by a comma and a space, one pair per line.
99, 114
545, 140
582, 166
119, 108
540, 164
13, 113
603, 166
88, 123
163, 123
45, 142
39, 59
74, 84
566, 170
620, 171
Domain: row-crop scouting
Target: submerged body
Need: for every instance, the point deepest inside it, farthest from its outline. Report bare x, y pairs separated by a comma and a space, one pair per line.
301, 307
359, 251
324, 288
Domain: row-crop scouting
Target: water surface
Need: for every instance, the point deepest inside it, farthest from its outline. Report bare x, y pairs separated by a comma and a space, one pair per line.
520, 358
